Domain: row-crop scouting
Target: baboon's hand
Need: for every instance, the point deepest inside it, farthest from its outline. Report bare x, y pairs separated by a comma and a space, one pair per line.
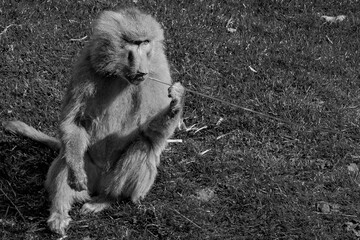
176, 92
77, 180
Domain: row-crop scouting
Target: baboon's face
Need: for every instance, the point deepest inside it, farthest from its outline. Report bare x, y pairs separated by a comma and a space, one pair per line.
138, 56
123, 58
125, 45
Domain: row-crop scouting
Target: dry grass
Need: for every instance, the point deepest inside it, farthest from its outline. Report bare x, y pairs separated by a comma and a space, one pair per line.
261, 179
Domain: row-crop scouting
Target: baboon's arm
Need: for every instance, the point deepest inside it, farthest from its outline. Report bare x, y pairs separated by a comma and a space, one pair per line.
73, 135
163, 125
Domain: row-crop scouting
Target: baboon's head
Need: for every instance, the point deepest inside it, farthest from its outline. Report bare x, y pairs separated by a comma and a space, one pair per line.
125, 44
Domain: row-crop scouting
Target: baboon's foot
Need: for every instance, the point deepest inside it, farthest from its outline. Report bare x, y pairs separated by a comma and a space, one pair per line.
78, 181
58, 222
94, 206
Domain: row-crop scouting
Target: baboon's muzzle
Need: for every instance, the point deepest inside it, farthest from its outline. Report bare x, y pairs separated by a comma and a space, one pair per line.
138, 78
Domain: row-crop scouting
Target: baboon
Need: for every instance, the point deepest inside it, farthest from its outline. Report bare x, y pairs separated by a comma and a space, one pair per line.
115, 121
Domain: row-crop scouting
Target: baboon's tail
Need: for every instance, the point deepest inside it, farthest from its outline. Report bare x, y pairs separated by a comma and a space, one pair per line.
23, 129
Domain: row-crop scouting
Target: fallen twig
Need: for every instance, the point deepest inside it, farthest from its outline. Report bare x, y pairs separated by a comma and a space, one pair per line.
78, 39
187, 219
204, 152
12, 203
174, 140
6, 28
199, 129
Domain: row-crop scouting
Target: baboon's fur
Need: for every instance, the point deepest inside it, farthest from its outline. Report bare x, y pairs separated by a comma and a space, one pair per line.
114, 122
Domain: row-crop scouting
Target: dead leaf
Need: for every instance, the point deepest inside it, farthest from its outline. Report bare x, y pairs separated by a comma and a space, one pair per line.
199, 129
221, 136
205, 195
340, 18
220, 121
326, 208
204, 152
353, 168
353, 226
333, 19
5, 222
252, 69
229, 28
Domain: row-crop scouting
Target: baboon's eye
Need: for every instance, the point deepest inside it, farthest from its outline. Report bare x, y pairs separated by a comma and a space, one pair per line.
137, 42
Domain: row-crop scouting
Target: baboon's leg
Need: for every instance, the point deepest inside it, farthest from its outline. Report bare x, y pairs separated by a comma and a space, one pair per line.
140, 165
62, 196
134, 173
131, 177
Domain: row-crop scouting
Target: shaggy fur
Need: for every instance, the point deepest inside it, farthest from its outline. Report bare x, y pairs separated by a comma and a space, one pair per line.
114, 123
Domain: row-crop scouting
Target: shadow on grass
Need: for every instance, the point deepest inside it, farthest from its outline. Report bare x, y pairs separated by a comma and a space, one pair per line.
23, 198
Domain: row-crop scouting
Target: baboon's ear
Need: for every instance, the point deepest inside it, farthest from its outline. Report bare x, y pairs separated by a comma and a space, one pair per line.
105, 43
103, 55
108, 21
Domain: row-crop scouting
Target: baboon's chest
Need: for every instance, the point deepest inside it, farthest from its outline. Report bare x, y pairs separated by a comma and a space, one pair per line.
114, 128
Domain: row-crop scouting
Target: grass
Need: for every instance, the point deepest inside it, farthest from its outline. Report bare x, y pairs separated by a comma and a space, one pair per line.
261, 179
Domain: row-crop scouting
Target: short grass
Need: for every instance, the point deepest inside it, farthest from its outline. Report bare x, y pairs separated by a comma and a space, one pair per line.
260, 178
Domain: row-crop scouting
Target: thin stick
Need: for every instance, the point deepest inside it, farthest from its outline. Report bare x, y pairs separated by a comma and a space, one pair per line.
293, 125
78, 39
174, 140
229, 103
13, 205
6, 28
187, 218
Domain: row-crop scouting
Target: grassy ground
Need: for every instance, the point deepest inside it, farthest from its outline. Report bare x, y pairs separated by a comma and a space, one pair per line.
259, 179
